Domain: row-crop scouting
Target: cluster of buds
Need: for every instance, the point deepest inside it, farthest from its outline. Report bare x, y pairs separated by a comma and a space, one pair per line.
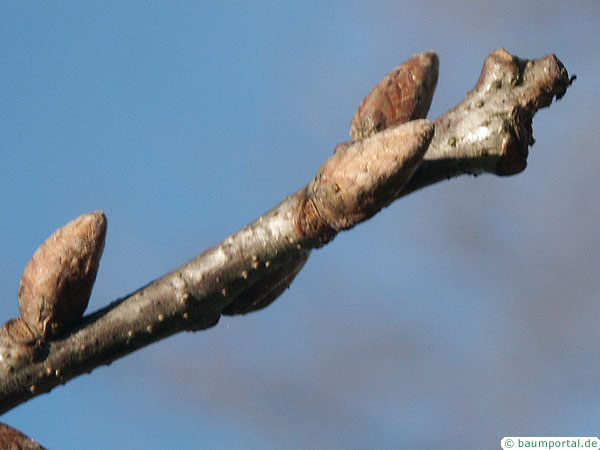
364, 174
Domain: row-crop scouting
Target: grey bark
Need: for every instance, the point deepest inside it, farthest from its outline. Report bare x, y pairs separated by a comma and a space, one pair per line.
489, 131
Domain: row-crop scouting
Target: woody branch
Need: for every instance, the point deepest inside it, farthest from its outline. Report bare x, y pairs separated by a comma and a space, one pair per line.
395, 151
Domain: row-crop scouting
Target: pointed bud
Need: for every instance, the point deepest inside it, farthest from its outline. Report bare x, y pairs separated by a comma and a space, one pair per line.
359, 180
57, 282
403, 95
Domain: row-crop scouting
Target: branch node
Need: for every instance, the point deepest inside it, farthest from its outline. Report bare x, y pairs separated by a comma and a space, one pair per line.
310, 225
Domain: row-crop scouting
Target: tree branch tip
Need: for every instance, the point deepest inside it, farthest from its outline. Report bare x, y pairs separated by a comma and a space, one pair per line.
502, 68
489, 131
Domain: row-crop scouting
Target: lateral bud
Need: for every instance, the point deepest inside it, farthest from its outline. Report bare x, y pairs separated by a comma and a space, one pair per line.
404, 94
57, 282
359, 180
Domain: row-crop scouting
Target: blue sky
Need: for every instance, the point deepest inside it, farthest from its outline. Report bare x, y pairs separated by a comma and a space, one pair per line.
463, 313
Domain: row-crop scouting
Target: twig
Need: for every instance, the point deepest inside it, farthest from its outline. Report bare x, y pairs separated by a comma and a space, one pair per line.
489, 131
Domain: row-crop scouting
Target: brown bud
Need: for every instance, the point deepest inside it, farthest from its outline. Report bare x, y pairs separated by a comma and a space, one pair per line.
263, 293
403, 95
57, 282
359, 180
11, 438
